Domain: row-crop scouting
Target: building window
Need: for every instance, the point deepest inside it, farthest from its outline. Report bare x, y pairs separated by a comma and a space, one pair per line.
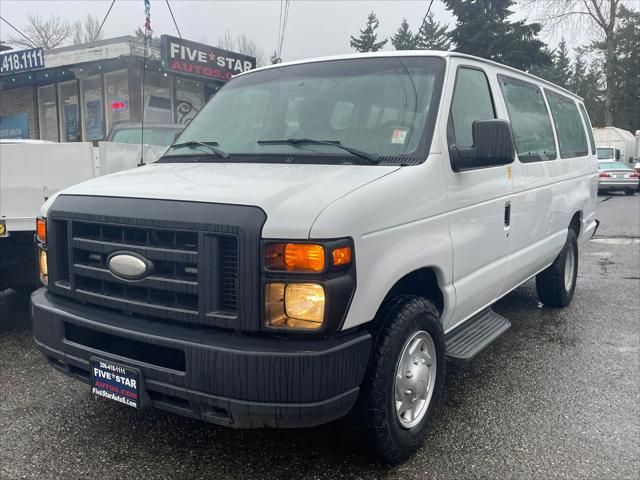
157, 99
189, 100
69, 111
92, 110
117, 97
48, 113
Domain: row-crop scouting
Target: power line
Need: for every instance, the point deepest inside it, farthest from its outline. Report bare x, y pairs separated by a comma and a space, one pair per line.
22, 34
284, 27
174, 19
279, 30
95, 37
424, 19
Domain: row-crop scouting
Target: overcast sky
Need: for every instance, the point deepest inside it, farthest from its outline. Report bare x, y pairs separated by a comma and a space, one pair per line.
314, 28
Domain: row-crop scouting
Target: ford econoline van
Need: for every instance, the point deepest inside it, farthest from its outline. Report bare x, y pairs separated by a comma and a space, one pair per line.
319, 240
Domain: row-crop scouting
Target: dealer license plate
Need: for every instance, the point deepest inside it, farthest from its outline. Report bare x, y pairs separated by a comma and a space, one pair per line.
115, 382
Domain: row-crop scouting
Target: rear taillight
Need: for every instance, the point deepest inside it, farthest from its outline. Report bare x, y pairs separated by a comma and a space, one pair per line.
635, 175
604, 175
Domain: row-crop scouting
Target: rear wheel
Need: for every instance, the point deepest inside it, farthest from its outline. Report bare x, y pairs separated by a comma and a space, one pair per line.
405, 377
630, 192
556, 284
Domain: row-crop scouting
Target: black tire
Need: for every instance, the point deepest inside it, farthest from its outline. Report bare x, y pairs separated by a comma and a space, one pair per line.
630, 192
550, 283
398, 319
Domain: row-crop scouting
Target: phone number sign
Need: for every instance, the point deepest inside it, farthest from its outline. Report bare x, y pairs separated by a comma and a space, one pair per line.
21, 61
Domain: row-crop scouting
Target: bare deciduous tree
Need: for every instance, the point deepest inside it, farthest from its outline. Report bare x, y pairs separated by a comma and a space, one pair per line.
47, 34
87, 31
242, 44
600, 14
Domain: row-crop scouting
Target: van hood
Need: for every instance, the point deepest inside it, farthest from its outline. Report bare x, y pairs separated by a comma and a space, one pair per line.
292, 195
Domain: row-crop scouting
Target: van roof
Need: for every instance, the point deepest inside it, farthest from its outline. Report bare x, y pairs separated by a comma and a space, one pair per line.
412, 53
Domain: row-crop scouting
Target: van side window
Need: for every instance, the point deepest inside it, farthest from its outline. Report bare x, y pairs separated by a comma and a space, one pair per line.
587, 123
471, 101
530, 120
568, 124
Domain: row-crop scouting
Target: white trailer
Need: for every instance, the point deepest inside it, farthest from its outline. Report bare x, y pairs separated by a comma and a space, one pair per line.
620, 139
31, 172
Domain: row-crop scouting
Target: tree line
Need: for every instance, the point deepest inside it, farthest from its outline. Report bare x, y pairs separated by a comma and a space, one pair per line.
605, 72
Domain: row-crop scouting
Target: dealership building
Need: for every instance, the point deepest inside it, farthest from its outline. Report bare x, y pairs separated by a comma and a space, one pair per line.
78, 93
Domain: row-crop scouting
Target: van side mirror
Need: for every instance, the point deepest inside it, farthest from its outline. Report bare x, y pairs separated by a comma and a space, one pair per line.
492, 146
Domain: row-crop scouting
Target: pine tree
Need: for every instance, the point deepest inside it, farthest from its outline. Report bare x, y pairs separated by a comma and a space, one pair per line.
627, 98
483, 29
432, 35
404, 39
562, 65
367, 41
578, 77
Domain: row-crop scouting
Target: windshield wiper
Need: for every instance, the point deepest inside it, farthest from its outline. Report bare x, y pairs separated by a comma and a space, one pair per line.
211, 146
370, 157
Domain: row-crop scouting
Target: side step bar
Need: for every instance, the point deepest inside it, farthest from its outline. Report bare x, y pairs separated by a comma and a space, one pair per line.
474, 335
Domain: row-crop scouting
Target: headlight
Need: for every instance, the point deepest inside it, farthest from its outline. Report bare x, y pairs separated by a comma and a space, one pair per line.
307, 285
295, 305
42, 263
41, 237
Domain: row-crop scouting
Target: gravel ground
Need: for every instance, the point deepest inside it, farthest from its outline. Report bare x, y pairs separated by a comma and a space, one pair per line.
556, 397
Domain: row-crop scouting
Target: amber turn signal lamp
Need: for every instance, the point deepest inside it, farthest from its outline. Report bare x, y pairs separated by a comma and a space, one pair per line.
41, 230
295, 257
341, 256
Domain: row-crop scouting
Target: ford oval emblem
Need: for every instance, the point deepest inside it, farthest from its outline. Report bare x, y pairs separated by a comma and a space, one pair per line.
129, 265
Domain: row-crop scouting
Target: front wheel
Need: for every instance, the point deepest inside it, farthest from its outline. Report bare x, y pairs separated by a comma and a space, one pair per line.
405, 378
556, 284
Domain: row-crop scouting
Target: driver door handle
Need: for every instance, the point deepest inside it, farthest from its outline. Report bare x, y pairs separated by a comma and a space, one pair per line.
507, 214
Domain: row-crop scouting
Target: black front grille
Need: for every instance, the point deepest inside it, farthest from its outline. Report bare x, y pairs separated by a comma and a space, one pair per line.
205, 272
172, 288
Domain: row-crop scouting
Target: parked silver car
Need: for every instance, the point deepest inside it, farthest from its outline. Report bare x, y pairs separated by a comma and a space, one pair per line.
616, 176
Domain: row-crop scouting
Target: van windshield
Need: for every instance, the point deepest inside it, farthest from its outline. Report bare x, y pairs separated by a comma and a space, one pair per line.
383, 106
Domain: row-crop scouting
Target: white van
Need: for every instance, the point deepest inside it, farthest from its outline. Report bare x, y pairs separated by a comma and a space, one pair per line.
321, 238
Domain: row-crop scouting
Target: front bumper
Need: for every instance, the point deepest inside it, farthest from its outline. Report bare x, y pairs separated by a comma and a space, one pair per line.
221, 377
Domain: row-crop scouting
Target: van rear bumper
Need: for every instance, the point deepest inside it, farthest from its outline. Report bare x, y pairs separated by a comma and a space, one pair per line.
217, 376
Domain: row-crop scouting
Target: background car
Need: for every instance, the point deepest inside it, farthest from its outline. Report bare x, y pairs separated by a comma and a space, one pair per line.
161, 134
616, 176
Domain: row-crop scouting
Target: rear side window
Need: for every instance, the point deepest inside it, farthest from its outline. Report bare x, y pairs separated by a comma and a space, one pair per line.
568, 124
530, 120
587, 123
471, 102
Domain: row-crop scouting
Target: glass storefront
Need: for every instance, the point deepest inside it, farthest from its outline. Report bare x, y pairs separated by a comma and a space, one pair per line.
117, 97
86, 109
48, 113
189, 100
69, 112
92, 108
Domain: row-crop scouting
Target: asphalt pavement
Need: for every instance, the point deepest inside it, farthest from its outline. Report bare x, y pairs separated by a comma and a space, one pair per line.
557, 396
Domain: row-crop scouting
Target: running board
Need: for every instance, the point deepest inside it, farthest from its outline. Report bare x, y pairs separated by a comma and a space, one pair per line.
474, 335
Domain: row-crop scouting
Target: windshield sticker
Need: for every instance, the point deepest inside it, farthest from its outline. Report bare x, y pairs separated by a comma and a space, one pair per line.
399, 136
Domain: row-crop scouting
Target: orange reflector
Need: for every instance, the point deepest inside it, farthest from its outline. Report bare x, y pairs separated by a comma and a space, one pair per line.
341, 256
304, 256
41, 230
